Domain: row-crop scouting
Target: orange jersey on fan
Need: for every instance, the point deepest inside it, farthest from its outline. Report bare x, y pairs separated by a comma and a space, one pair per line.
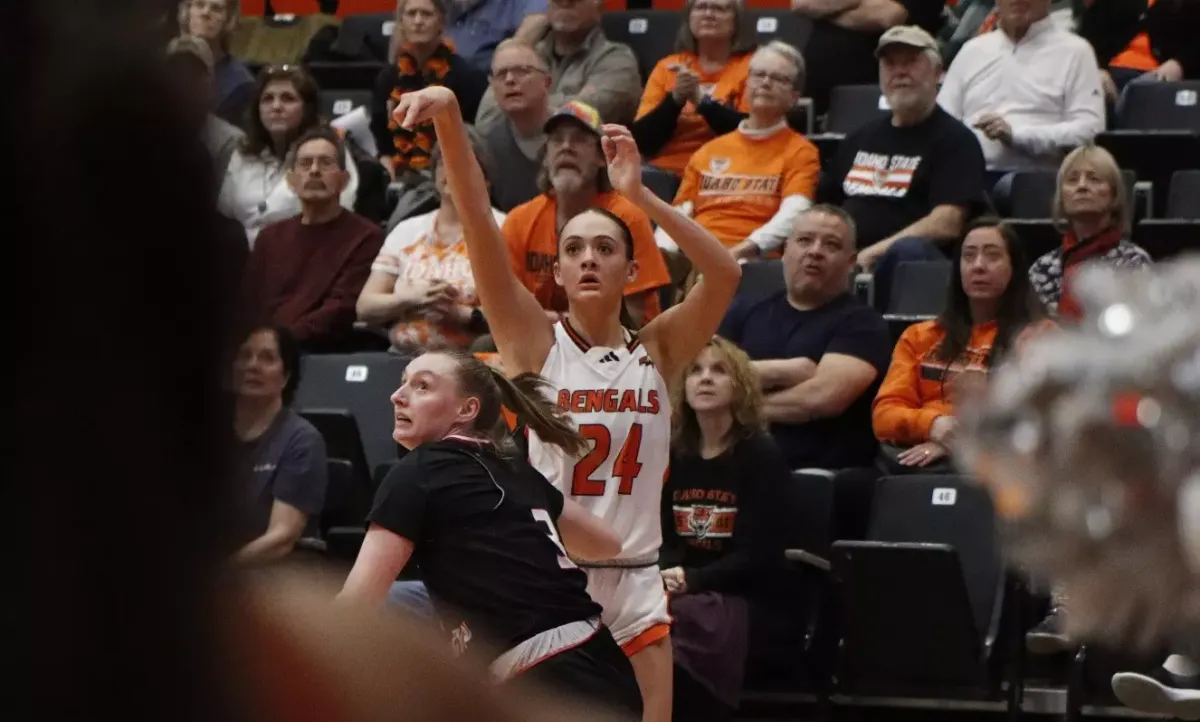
532, 235
726, 86
736, 182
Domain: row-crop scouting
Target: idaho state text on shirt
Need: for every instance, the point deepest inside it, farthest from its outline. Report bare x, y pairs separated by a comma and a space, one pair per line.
704, 517
879, 174
609, 401
719, 188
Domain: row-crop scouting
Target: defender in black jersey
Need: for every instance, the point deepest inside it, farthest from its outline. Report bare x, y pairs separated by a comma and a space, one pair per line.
485, 529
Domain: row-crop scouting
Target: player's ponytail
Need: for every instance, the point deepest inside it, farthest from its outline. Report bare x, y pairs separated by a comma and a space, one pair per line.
525, 397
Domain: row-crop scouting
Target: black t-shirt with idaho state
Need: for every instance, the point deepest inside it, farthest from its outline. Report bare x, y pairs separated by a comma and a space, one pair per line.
484, 534
721, 518
771, 328
888, 178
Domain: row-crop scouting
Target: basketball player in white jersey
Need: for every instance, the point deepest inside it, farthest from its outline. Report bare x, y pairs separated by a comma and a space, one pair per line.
613, 382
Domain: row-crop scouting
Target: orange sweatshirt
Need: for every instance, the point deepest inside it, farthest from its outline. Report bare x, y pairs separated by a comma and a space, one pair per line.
912, 394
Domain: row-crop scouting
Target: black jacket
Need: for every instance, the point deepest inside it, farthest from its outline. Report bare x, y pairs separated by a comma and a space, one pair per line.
1173, 27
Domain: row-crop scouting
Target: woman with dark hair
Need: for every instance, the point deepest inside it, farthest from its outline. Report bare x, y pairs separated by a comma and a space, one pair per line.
722, 527
494, 539
988, 306
420, 55
285, 453
255, 191
699, 92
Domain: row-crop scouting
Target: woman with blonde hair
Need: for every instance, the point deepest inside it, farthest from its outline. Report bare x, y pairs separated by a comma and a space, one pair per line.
722, 526
1092, 208
420, 55
213, 21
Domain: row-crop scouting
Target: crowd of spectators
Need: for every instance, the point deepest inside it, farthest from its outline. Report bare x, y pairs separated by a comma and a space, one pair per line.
352, 247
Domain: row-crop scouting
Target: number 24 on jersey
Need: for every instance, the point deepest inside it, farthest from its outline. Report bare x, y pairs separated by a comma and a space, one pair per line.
625, 466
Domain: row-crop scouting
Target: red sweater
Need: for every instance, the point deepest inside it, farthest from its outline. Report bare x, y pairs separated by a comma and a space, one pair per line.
308, 277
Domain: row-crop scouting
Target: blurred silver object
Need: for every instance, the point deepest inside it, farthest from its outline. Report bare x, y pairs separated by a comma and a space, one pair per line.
1089, 440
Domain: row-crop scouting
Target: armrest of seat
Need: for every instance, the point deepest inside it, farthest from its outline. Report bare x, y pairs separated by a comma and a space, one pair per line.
311, 545
345, 541
807, 558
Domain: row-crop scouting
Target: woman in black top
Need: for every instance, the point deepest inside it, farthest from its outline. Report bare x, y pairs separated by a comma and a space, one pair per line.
722, 527
493, 538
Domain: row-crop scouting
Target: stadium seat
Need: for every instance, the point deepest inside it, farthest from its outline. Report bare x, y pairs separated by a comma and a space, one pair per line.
650, 33
779, 24
661, 183
336, 103
366, 36
1155, 156
1161, 106
1183, 199
921, 600
852, 106
360, 384
343, 443
1168, 237
787, 653
1038, 237
761, 278
919, 290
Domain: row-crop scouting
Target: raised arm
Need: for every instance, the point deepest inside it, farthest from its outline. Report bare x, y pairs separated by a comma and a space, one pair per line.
676, 336
522, 332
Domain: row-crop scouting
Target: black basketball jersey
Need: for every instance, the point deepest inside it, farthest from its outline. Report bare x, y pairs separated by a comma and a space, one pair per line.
483, 529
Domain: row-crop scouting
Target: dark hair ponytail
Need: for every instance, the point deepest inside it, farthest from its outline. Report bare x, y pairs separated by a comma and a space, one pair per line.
525, 397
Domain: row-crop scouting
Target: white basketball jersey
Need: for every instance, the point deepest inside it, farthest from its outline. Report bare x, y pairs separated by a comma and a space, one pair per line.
619, 402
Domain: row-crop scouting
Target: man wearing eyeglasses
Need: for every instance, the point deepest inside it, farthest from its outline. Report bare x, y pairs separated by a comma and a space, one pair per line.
520, 83
306, 272
583, 66
748, 187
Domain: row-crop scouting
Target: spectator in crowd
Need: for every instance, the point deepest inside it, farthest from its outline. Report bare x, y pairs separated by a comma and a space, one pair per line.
421, 285
284, 454
477, 27
748, 186
1031, 90
420, 56
574, 177
213, 21
988, 305
583, 65
190, 62
1142, 41
818, 351
722, 527
844, 34
690, 96
910, 181
255, 191
515, 144
1092, 206
305, 273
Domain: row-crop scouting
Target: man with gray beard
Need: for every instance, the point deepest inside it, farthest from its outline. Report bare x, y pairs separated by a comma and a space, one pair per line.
910, 180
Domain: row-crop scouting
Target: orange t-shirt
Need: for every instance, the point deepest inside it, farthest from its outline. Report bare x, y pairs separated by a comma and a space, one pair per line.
531, 231
736, 182
1137, 56
726, 86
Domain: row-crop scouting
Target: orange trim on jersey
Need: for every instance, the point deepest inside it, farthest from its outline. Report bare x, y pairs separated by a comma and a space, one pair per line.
633, 343
656, 633
575, 336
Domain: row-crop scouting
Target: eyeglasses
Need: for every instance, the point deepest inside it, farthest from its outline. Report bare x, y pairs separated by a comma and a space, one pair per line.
518, 72
763, 76
284, 69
